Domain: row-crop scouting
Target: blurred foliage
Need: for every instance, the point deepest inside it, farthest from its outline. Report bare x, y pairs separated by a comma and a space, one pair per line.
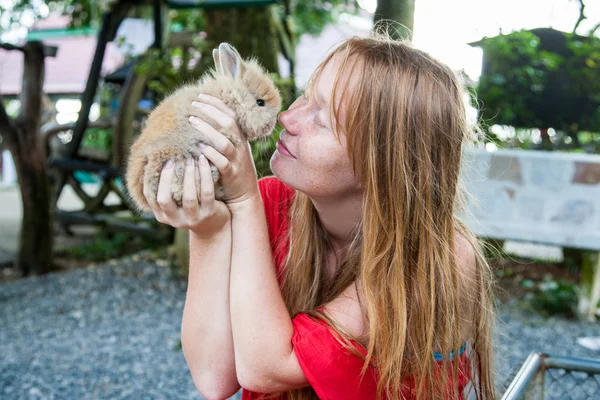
584, 69
551, 297
517, 66
530, 139
84, 13
311, 16
555, 297
308, 16
101, 248
99, 138
173, 68
541, 79
110, 245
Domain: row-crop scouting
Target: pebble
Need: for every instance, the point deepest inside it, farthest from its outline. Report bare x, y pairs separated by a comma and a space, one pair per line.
112, 332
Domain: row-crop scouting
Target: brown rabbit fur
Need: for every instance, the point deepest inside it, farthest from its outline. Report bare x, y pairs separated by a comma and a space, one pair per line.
168, 134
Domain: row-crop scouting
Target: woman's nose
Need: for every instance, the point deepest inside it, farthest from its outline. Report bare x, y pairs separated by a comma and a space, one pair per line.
291, 119
285, 119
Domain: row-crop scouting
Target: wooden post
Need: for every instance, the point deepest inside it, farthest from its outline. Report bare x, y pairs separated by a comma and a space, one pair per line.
595, 293
590, 286
23, 140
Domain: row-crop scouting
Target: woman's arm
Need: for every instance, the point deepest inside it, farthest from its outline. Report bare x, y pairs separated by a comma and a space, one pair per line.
262, 328
206, 327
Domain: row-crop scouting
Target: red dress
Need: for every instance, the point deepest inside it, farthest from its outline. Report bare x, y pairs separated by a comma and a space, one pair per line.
332, 371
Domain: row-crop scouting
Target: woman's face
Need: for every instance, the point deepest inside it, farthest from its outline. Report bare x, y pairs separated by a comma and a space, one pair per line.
310, 157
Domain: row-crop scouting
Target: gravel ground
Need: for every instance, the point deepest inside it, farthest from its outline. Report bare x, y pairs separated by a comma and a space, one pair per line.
111, 331
520, 332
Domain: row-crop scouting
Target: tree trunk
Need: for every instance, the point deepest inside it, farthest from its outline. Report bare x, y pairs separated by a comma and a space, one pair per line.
36, 238
25, 143
402, 11
250, 30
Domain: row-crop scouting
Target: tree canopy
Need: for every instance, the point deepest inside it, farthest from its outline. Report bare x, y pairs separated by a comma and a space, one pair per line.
540, 79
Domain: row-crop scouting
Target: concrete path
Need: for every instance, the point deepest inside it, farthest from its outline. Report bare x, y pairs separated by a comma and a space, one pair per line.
10, 222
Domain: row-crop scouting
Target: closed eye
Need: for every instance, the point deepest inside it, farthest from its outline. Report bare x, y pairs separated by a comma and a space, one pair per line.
319, 122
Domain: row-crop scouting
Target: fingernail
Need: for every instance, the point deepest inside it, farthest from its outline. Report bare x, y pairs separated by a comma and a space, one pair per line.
169, 164
194, 120
196, 104
202, 159
188, 162
202, 96
202, 146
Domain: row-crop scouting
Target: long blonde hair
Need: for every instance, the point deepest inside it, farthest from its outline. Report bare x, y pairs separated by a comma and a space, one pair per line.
405, 122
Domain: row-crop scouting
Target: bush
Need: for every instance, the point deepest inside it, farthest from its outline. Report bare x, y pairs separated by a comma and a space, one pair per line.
555, 297
107, 246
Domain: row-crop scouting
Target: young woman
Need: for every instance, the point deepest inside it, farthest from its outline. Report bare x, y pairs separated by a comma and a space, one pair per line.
347, 275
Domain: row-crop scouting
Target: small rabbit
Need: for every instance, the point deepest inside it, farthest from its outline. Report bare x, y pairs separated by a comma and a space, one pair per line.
241, 84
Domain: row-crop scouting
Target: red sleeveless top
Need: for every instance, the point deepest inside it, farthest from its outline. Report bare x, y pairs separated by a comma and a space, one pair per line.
332, 371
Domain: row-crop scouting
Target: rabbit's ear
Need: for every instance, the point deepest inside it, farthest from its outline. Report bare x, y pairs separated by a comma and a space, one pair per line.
229, 61
218, 67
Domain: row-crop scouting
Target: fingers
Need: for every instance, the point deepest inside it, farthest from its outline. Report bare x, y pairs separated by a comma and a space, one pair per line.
223, 120
207, 186
216, 103
189, 201
213, 109
219, 160
150, 192
163, 197
220, 142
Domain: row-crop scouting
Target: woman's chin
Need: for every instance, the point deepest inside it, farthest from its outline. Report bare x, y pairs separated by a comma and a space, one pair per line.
276, 162
280, 169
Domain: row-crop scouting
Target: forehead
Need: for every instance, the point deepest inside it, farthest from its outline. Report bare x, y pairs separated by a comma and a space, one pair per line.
325, 79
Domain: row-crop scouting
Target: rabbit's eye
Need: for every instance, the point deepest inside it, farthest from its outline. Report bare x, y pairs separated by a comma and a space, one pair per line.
260, 102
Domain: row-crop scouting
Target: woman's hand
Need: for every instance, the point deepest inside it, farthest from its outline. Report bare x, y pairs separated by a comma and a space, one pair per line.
204, 218
234, 162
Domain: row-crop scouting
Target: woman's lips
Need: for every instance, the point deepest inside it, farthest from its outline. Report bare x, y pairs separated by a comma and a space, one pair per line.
283, 149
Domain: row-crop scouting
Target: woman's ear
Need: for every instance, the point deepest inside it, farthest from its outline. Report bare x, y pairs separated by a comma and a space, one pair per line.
229, 60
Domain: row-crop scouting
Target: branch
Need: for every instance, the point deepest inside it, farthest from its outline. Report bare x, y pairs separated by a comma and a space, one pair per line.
594, 29
581, 15
287, 8
8, 46
49, 51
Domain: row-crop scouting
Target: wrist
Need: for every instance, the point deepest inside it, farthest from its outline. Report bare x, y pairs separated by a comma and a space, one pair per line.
242, 205
212, 236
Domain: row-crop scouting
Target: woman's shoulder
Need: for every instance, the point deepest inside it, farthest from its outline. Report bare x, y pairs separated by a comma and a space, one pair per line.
466, 258
465, 254
466, 262
348, 311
